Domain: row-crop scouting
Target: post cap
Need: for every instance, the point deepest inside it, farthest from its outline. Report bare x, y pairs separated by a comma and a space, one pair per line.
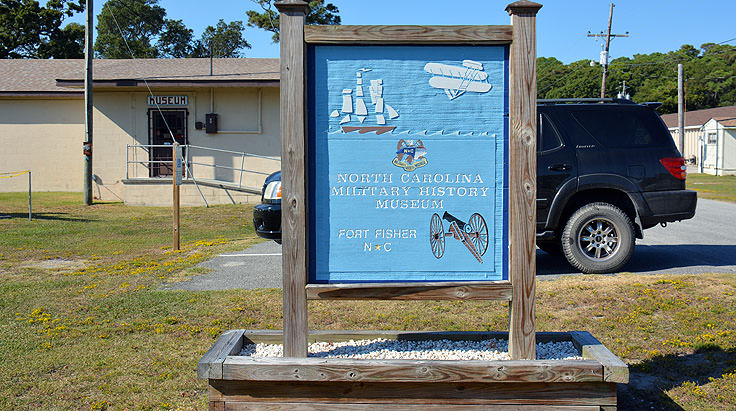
523, 6
292, 5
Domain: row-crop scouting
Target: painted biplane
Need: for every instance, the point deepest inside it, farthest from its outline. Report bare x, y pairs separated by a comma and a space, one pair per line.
456, 80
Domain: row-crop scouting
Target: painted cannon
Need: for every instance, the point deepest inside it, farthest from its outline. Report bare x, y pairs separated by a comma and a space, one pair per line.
473, 234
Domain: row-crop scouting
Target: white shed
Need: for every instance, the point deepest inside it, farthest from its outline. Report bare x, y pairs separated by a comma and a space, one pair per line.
718, 146
694, 122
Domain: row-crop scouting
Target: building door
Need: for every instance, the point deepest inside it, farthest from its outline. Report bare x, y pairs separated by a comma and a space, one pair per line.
710, 150
159, 124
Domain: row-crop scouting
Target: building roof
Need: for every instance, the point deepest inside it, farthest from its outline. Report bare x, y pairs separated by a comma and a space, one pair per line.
67, 76
726, 121
699, 117
36, 76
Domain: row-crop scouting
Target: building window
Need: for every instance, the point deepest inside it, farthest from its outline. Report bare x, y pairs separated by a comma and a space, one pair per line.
712, 138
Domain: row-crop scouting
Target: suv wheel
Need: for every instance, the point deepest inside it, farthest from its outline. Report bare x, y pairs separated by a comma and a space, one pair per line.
598, 238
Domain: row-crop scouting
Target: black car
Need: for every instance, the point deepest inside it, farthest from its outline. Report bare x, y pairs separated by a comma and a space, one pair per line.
267, 215
606, 170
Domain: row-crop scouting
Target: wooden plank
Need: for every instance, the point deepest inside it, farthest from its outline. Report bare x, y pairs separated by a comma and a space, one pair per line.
614, 369
293, 166
276, 336
556, 394
217, 406
522, 178
476, 35
229, 343
300, 406
349, 370
490, 290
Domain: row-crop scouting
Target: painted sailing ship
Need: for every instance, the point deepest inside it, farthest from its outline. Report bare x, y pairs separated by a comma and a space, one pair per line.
355, 108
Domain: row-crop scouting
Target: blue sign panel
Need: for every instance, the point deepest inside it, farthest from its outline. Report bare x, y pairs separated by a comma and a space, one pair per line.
408, 163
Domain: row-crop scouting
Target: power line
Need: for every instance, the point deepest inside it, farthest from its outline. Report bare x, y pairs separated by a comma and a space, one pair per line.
132, 56
158, 108
573, 71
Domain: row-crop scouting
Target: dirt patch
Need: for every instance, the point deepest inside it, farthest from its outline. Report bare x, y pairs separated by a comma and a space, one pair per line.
58, 264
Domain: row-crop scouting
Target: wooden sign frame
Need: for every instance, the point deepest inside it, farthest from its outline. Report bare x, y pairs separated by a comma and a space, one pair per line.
519, 290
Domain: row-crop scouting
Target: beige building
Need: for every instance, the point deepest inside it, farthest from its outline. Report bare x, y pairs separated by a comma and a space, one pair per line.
224, 112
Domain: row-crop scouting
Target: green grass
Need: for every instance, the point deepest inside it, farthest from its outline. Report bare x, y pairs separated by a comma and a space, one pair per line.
83, 324
713, 187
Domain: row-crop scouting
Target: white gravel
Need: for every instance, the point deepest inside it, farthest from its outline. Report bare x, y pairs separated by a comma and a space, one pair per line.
418, 350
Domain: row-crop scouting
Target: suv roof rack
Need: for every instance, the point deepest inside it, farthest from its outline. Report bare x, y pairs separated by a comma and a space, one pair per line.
585, 100
652, 104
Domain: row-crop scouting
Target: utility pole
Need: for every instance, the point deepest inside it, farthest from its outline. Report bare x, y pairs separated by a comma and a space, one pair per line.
604, 53
623, 93
681, 107
211, 58
88, 104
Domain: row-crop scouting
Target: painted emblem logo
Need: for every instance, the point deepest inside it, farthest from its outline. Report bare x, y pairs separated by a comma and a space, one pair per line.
410, 155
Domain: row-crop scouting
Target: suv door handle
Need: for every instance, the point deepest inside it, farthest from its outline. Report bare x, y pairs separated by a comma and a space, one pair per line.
559, 167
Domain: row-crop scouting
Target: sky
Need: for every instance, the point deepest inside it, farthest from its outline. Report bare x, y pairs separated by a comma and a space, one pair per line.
562, 25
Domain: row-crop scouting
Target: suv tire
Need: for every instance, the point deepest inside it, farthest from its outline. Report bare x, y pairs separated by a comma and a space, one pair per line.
598, 238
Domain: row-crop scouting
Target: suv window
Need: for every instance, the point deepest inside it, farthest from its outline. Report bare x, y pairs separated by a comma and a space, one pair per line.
547, 136
623, 128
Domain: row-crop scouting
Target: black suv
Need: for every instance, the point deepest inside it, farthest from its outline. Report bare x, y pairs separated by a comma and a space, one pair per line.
607, 169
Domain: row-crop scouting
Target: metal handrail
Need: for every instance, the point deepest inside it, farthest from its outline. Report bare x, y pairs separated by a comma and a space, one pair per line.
232, 152
188, 164
227, 167
150, 162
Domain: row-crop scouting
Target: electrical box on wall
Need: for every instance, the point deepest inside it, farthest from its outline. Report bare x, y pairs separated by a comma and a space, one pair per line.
199, 125
211, 123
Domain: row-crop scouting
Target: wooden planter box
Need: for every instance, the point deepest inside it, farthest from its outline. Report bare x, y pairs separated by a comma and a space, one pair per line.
240, 383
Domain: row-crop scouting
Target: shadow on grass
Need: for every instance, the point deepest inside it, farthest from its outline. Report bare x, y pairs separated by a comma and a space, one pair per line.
47, 217
650, 379
649, 258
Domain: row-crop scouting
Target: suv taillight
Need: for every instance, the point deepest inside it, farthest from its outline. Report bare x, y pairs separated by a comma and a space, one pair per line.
676, 166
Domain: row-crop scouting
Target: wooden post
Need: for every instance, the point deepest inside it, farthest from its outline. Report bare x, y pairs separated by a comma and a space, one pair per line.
176, 181
293, 176
29, 197
522, 177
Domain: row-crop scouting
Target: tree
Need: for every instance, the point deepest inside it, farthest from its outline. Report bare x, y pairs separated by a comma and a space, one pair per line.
222, 40
67, 43
712, 77
29, 30
150, 34
710, 74
319, 13
133, 22
175, 40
